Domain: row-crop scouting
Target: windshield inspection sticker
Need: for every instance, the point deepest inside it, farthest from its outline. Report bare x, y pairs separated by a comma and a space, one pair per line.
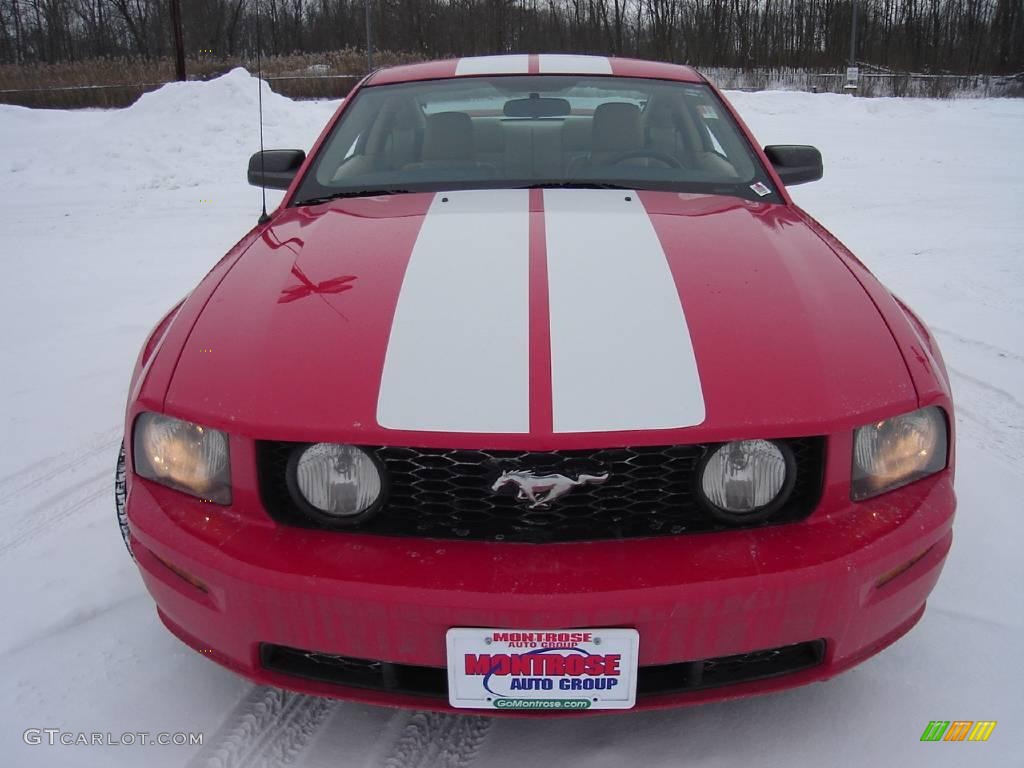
760, 189
542, 669
708, 113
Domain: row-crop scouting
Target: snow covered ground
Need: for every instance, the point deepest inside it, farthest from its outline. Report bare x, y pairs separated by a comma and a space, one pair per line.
109, 217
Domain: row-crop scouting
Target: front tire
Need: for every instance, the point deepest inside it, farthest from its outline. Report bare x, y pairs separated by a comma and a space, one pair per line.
121, 499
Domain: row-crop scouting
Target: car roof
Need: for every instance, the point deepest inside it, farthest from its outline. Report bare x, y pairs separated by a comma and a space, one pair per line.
534, 64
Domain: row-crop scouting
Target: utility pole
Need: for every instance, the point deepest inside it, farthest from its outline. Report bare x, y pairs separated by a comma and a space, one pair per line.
853, 36
179, 40
369, 37
852, 71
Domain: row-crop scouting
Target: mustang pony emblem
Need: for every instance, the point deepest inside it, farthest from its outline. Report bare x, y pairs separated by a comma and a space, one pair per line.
541, 490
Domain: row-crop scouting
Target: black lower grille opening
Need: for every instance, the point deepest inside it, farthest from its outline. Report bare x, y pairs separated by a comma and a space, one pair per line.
729, 670
356, 673
651, 681
447, 494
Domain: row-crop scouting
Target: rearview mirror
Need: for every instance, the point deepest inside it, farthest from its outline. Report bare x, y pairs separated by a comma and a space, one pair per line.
275, 168
795, 163
537, 107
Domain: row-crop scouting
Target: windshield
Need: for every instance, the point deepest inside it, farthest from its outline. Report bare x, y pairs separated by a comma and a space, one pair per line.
526, 131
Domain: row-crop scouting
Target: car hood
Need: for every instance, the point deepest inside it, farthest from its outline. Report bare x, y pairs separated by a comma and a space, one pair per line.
522, 318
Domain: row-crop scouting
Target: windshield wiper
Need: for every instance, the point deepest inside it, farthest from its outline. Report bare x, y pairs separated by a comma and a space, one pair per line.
575, 185
351, 193
533, 185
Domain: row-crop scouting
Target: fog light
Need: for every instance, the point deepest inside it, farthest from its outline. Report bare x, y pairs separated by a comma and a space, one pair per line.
747, 479
338, 483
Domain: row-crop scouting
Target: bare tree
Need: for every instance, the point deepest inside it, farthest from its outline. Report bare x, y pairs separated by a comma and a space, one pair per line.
922, 35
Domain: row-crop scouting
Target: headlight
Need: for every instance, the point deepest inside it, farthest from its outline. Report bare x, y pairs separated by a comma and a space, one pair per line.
897, 451
338, 482
747, 479
183, 455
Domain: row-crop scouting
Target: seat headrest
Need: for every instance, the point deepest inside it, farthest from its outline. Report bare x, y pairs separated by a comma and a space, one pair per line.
448, 137
617, 128
659, 115
405, 114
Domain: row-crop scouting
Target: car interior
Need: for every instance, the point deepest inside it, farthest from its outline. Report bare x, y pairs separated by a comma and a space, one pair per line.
660, 133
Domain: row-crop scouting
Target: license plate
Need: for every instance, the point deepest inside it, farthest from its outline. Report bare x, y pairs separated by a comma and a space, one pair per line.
531, 669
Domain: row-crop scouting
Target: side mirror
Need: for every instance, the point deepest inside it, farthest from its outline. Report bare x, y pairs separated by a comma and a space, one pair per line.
795, 164
275, 168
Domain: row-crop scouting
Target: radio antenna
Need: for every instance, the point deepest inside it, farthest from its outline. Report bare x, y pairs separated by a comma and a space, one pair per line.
264, 218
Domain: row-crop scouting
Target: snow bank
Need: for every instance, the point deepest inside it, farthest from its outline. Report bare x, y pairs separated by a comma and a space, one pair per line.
184, 135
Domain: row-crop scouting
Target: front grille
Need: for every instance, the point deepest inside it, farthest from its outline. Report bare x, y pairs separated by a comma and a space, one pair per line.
651, 681
446, 494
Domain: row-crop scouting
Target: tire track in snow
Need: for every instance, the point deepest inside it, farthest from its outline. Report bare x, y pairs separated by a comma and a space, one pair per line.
272, 728
1009, 400
978, 344
43, 471
435, 740
269, 728
992, 416
45, 492
34, 520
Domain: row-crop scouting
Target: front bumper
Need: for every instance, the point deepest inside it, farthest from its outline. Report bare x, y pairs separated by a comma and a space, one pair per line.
227, 584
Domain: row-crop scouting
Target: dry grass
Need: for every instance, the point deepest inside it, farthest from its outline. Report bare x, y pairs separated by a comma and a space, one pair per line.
314, 76
119, 82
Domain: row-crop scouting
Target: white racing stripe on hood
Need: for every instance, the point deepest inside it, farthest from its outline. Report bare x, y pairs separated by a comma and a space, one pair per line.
514, 64
563, 63
621, 354
458, 359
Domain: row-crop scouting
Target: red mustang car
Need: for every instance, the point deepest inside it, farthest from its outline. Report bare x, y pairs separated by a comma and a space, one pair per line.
538, 393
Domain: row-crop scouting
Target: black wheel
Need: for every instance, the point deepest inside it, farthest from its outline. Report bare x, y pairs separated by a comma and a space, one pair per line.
120, 499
